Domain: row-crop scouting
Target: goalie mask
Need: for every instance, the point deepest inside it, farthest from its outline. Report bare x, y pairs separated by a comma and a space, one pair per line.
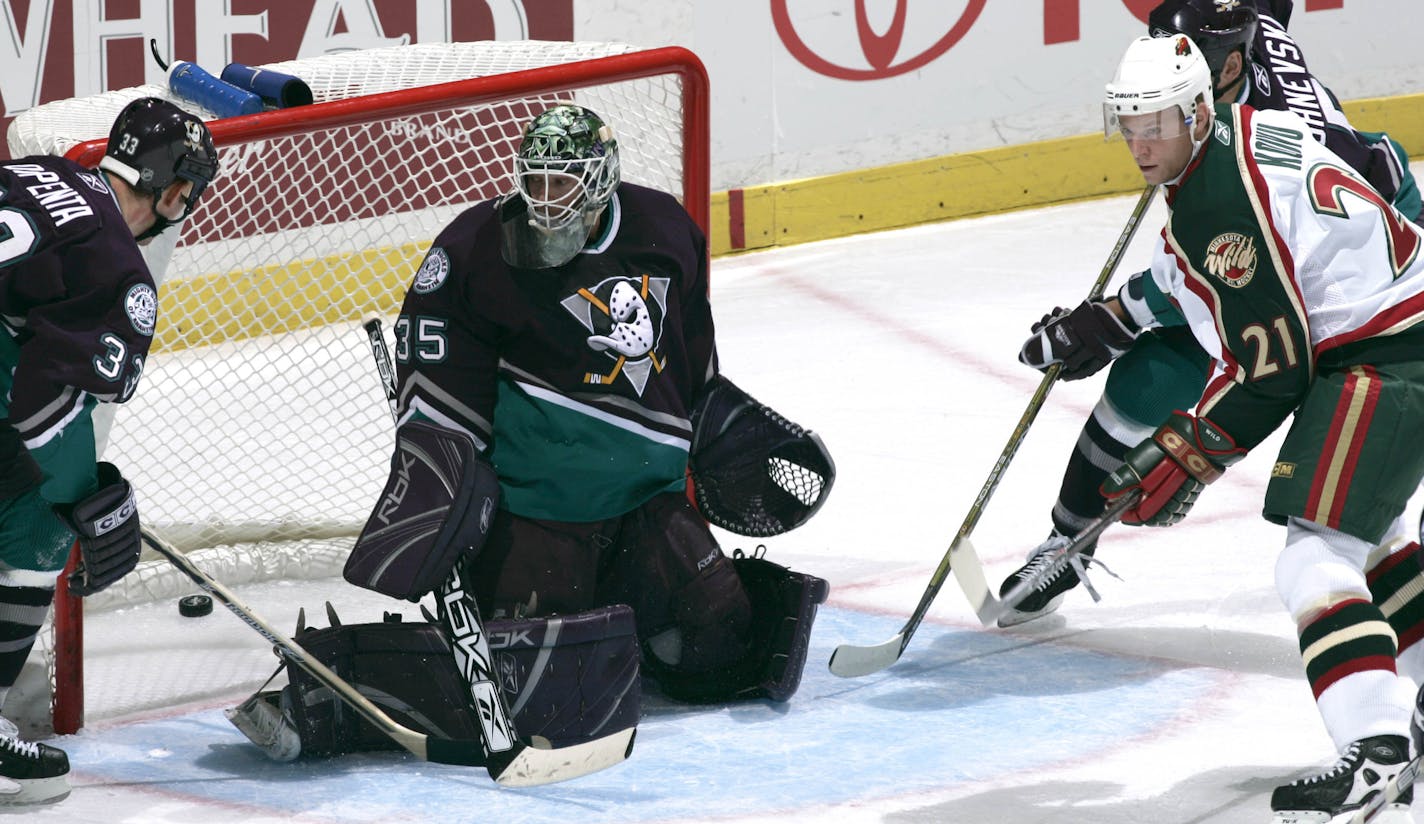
154, 144
564, 175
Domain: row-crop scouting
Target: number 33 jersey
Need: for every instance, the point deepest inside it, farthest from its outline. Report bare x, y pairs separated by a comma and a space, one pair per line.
1284, 261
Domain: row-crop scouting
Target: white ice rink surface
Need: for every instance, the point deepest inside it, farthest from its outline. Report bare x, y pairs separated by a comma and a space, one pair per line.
1179, 698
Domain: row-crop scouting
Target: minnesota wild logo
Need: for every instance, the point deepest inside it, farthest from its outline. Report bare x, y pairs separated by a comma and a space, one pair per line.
1232, 258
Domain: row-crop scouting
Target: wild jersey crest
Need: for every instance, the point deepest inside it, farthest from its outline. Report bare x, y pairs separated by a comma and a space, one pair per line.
1232, 258
624, 317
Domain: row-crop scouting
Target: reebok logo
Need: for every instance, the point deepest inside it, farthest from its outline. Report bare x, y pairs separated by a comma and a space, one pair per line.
392, 501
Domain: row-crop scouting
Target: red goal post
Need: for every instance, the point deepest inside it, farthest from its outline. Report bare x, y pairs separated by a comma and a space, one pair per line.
260, 435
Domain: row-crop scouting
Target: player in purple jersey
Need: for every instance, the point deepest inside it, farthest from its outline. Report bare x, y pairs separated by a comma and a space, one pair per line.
1255, 62
559, 342
77, 309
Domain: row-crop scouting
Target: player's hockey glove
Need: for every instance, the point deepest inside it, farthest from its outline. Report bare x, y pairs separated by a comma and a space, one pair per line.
107, 525
1171, 468
1084, 340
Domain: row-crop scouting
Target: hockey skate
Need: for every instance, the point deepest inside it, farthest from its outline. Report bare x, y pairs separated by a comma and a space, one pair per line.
30, 773
1359, 774
1049, 594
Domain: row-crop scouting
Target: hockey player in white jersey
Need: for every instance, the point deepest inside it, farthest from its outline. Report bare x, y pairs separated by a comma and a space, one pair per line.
1305, 288
1253, 61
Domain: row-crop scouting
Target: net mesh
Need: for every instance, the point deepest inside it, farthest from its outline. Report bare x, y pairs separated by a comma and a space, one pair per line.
261, 426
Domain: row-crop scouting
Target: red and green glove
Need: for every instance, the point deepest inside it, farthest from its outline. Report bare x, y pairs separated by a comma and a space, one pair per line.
1171, 468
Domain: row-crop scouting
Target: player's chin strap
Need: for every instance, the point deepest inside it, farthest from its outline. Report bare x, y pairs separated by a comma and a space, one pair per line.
1196, 147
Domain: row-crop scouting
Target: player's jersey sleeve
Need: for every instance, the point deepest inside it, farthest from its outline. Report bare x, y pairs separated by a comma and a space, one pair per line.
79, 309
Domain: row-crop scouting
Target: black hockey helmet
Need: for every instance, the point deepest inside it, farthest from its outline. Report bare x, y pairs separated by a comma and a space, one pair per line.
1218, 27
154, 144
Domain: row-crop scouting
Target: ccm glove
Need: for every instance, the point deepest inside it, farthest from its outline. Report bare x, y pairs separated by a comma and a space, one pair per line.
1084, 340
1170, 469
107, 525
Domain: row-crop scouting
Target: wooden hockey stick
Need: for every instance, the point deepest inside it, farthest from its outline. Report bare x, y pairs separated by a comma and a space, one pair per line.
849, 660
510, 760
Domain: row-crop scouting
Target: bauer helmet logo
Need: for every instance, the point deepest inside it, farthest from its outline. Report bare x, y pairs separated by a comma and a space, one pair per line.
1232, 258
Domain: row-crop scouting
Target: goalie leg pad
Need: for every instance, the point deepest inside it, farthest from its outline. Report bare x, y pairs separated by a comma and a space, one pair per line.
784, 605
437, 508
405, 669
754, 472
570, 679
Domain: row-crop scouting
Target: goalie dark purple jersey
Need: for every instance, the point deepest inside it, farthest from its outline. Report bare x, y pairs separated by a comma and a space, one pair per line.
78, 304
577, 381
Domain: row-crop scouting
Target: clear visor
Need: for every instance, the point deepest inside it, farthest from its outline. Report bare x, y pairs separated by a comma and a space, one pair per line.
554, 189
1166, 124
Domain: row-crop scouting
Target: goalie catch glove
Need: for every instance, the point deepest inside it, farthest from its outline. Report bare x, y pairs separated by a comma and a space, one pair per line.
1171, 468
108, 529
754, 472
1084, 340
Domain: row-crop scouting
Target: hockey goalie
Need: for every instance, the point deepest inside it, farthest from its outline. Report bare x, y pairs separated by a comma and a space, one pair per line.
556, 385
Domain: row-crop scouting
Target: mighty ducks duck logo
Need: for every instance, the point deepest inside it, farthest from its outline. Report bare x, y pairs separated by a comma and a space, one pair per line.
1232, 257
624, 317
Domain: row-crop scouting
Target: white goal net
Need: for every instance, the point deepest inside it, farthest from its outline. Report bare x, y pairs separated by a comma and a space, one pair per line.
260, 434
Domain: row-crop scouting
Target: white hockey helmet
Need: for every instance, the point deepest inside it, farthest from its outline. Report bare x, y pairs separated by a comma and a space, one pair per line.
1155, 74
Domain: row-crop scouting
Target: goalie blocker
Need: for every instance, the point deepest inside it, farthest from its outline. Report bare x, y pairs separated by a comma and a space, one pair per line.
435, 510
568, 679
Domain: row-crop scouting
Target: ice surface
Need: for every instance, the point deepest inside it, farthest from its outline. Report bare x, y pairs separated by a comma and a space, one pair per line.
1179, 698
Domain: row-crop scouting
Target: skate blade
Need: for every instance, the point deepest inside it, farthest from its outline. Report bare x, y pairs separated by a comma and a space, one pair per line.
1014, 617
1392, 814
33, 791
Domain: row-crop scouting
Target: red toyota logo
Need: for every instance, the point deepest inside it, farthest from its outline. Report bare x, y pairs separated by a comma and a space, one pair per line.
880, 50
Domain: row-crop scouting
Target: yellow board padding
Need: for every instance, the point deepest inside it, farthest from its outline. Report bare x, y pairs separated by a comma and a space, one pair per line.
976, 183
284, 297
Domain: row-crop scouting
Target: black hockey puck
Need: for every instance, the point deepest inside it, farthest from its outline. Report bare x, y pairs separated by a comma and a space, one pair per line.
194, 606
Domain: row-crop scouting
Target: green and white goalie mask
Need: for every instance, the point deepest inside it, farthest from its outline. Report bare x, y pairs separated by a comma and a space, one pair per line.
564, 175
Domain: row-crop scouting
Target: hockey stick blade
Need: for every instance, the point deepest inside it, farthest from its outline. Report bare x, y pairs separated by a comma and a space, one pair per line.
1396, 786
851, 661
535, 766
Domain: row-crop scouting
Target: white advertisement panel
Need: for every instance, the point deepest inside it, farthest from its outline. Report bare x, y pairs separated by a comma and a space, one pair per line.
810, 87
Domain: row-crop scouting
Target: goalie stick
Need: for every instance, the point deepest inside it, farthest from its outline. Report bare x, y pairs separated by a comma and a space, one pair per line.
849, 660
508, 756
